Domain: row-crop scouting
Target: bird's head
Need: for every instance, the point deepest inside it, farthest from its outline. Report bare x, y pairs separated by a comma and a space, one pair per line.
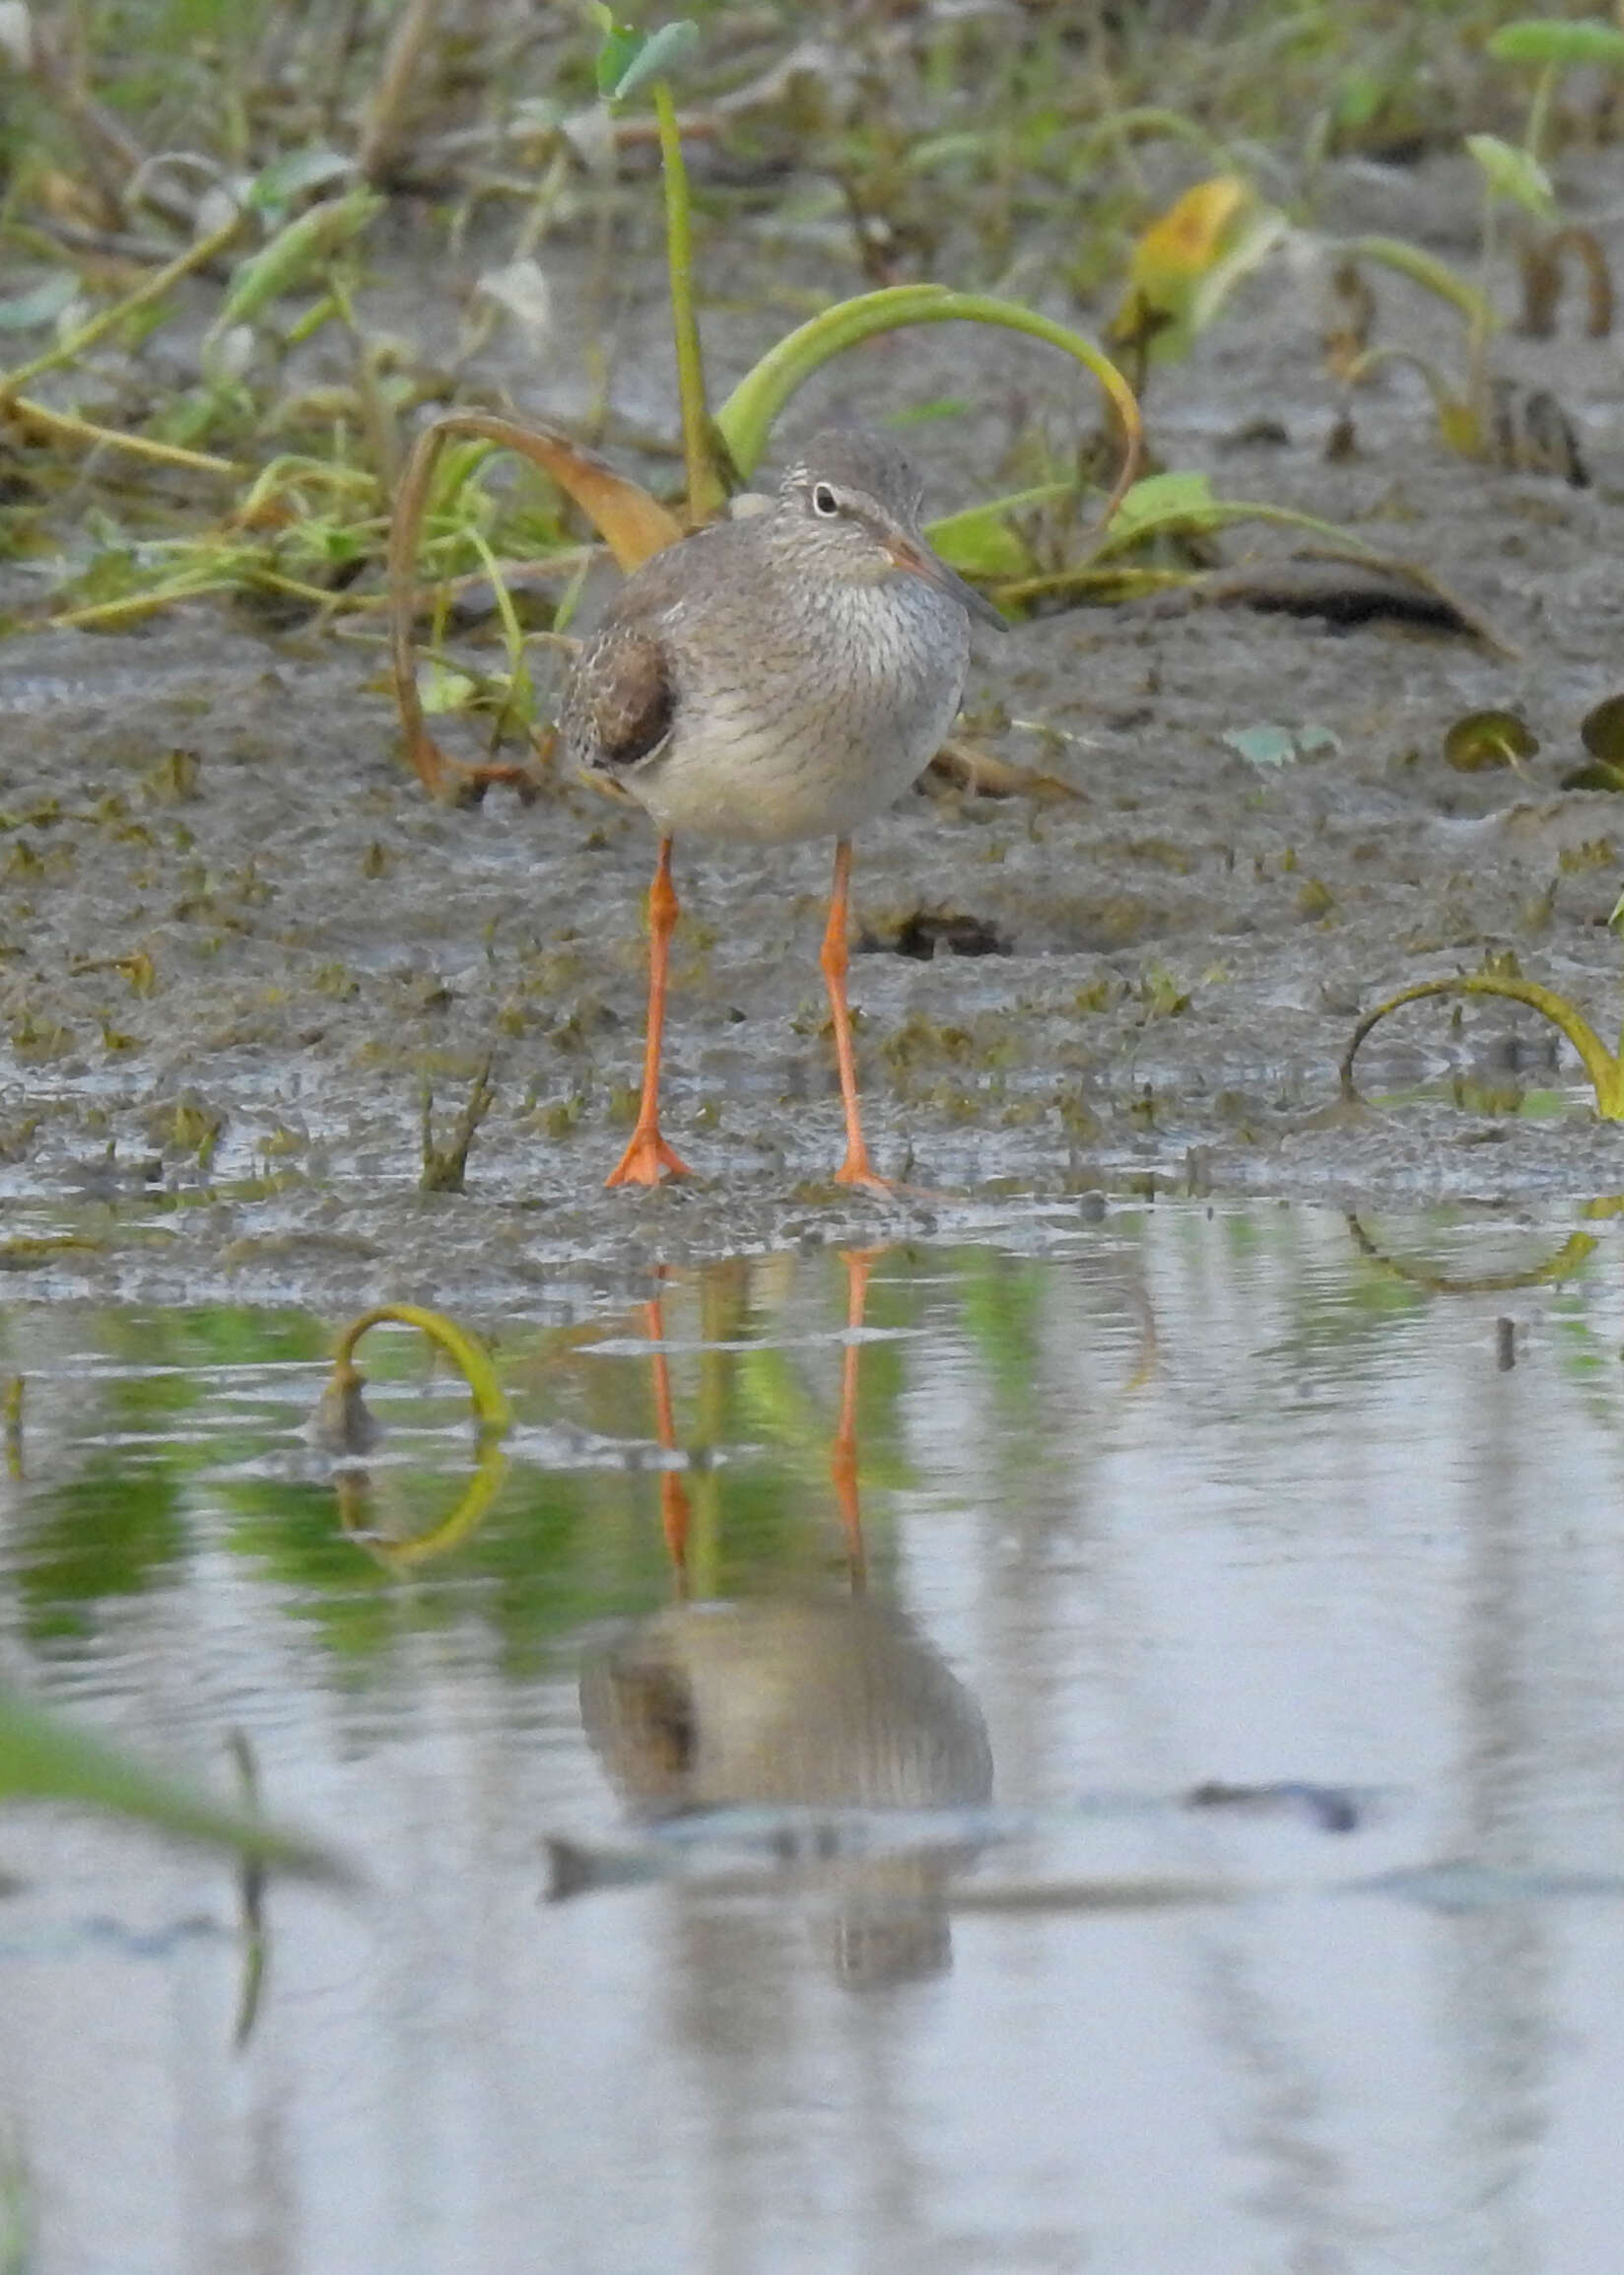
852, 502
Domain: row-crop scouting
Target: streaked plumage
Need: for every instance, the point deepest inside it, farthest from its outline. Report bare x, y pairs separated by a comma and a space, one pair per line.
784, 674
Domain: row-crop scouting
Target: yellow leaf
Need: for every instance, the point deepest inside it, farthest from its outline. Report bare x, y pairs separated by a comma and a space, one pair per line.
1217, 226
1188, 238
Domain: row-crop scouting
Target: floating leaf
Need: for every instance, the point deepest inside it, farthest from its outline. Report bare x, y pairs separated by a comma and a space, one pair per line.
1598, 775
1511, 173
1488, 738
1602, 730
1534, 40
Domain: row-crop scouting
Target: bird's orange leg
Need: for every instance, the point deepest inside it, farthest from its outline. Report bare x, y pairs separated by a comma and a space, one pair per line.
647, 1155
675, 1514
842, 1455
856, 1168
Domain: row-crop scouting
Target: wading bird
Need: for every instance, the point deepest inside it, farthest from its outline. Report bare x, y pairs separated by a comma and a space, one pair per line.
784, 674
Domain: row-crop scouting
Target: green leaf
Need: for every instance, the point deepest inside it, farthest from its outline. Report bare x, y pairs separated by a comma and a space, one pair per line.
27, 312
1534, 40
655, 56
294, 254
441, 690
1167, 502
297, 170
1598, 775
1602, 730
44, 1758
618, 47
1511, 173
1358, 99
1185, 502
629, 59
979, 542
1482, 739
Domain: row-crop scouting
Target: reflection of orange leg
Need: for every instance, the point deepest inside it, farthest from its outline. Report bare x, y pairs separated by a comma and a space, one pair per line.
842, 1456
674, 1510
856, 1168
647, 1154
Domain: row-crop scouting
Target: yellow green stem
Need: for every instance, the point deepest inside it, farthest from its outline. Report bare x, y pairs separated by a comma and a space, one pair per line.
154, 287
1606, 1073
63, 427
470, 1357
705, 491
746, 418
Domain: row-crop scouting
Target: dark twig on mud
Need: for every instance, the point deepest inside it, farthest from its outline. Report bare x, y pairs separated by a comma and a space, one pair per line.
445, 1167
385, 113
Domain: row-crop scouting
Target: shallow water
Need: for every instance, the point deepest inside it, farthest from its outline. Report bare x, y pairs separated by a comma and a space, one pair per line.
1197, 1499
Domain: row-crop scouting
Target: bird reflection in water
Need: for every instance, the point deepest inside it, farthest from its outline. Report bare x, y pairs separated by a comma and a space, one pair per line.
830, 1701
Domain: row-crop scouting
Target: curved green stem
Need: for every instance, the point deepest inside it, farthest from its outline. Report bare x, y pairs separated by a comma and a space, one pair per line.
469, 1357
1539, 109
1606, 1073
1424, 270
1556, 1268
451, 1531
747, 416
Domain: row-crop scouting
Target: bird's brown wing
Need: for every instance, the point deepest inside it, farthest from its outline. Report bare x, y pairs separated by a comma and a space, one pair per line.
622, 697
621, 701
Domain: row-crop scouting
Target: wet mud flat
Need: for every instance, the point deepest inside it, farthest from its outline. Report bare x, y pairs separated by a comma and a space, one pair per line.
236, 945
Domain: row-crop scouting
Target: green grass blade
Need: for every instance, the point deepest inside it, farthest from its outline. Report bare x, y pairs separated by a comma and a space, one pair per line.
44, 1757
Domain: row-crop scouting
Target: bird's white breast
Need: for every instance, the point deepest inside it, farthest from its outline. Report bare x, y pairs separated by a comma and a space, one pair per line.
816, 720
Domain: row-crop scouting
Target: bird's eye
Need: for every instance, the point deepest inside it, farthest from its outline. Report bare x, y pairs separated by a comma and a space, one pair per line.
825, 501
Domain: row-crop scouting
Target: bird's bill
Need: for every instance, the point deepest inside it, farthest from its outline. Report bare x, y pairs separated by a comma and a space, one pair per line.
919, 561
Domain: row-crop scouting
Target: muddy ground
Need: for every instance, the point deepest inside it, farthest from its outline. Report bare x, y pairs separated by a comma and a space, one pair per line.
227, 974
